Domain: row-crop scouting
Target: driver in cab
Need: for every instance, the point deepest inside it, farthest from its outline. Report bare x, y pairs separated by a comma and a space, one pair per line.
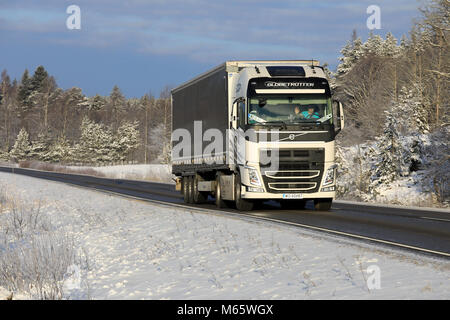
309, 113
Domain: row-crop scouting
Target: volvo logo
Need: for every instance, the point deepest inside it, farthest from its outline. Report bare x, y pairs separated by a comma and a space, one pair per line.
292, 136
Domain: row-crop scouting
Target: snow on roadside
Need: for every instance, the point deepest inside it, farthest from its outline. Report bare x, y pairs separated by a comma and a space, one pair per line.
130, 249
147, 172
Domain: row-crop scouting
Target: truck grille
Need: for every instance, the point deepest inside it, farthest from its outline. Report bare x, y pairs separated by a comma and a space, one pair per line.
299, 170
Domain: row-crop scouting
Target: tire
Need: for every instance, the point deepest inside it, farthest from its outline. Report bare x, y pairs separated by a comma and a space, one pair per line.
186, 189
241, 204
191, 189
219, 202
197, 196
323, 204
293, 204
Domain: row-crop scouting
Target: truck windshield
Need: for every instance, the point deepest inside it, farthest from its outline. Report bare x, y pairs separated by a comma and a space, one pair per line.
290, 109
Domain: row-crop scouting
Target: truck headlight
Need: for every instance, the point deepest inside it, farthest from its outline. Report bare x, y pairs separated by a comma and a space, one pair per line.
329, 176
253, 176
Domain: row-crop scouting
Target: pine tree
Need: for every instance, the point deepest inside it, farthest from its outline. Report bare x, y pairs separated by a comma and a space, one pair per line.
404, 44
23, 97
39, 78
22, 146
126, 140
344, 65
60, 152
373, 45
95, 143
40, 147
97, 103
117, 106
412, 111
390, 47
76, 99
400, 148
351, 53
388, 160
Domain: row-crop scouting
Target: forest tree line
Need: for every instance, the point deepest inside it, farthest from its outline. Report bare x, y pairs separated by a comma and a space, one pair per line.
41, 121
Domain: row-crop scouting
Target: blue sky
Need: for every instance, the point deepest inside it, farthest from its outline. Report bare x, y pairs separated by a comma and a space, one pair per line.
142, 46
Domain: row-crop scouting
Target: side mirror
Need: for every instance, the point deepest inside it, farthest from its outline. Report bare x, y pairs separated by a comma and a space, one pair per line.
341, 115
235, 113
339, 119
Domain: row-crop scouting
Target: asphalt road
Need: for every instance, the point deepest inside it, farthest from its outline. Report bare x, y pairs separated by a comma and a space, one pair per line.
415, 229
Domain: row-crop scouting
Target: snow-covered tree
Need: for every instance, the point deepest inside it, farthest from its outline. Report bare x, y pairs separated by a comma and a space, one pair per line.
126, 140
40, 147
75, 98
351, 53
60, 152
404, 43
97, 103
117, 106
412, 111
388, 160
390, 47
95, 143
4, 156
22, 146
400, 148
373, 45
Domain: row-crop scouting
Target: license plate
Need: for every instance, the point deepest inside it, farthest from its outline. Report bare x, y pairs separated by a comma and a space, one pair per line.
292, 195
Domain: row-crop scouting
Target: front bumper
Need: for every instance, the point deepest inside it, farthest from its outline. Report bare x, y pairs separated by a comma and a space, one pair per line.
279, 196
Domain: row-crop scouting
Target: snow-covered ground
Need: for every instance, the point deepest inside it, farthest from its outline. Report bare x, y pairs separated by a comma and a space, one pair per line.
131, 249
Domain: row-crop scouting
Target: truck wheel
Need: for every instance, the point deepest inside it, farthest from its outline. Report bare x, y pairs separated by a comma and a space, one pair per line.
218, 194
241, 204
322, 204
198, 197
191, 189
186, 189
293, 204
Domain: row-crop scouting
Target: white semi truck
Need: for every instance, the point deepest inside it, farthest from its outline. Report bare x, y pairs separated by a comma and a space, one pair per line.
249, 131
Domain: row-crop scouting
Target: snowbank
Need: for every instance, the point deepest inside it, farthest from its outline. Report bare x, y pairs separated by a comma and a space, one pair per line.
148, 172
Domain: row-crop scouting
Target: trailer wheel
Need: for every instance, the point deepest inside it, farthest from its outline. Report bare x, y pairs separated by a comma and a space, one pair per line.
186, 189
218, 194
323, 204
241, 204
198, 197
191, 189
